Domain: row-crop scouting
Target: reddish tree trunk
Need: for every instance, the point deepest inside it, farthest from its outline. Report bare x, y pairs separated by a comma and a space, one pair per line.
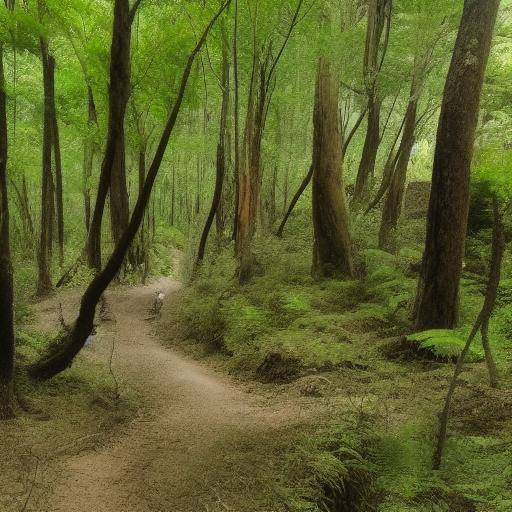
332, 252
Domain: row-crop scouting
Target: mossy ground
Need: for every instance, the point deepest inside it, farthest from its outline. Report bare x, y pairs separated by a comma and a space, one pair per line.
331, 340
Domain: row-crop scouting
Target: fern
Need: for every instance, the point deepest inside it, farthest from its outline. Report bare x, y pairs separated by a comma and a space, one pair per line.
443, 344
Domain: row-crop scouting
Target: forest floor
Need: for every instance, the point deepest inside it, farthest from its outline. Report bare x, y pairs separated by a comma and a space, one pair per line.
199, 442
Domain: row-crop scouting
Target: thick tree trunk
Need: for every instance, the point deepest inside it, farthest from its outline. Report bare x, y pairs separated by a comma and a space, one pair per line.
119, 201
6, 282
118, 98
449, 200
332, 251
89, 152
44, 284
63, 354
59, 203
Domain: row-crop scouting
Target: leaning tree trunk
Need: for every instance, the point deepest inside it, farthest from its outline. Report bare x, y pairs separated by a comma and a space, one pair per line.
44, 284
118, 98
482, 322
6, 284
437, 301
63, 354
332, 251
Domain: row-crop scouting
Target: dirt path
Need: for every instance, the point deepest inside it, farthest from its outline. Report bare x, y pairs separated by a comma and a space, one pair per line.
197, 447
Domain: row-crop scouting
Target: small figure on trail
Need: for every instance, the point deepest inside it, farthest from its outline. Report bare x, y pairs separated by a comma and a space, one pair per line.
90, 338
158, 302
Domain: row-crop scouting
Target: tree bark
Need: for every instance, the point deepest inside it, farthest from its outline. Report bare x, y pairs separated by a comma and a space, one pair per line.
6, 281
437, 302
44, 283
63, 354
119, 91
332, 251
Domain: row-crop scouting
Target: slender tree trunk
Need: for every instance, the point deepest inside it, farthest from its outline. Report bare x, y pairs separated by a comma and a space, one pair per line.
437, 302
118, 98
221, 155
89, 152
236, 125
332, 251
6, 281
44, 284
304, 184
58, 170
395, 193
63, 354
379, 22
370, 149
482, 322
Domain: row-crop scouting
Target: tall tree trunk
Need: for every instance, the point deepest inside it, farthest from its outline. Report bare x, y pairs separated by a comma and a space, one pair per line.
332, 251
89, 152
395, 193
377, 38
118, 98
63, 354
221, 154
44, 284
236, 125
58, 170
6, 281
437, 302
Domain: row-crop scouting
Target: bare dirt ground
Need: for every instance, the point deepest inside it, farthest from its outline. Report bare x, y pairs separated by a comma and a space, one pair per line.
201, 443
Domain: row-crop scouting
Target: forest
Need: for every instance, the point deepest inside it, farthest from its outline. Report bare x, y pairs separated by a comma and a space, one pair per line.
256, 255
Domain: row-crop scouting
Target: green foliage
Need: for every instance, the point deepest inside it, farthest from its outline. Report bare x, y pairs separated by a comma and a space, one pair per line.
443, 344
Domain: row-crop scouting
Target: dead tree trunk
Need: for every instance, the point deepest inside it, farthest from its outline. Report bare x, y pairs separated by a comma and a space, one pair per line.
437, 302
482, 322
44, 283
63, 354
6, 282
332, 251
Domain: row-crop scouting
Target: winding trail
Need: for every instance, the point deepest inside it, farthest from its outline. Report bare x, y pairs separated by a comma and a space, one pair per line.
201, 442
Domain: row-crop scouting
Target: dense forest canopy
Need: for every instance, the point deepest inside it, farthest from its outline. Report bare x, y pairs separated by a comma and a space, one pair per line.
309, 161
